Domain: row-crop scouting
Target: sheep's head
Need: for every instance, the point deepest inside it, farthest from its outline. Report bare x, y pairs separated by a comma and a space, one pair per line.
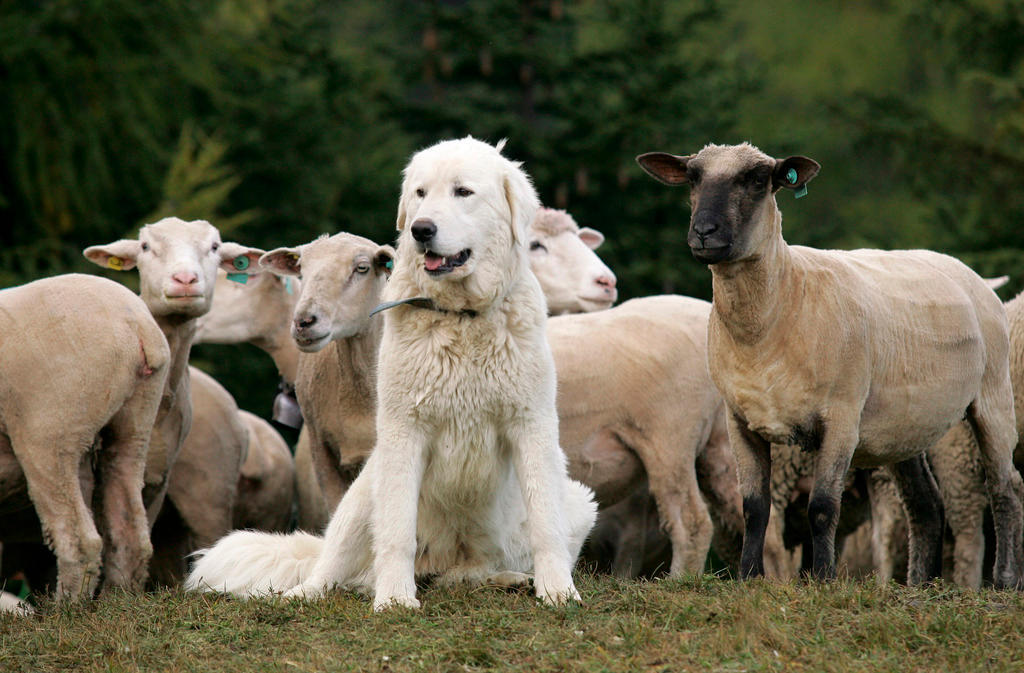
572, 276
732, 195
254, 310
177, 262
342, 280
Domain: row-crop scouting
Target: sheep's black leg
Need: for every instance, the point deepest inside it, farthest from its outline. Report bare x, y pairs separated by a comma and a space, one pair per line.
753, 461
923, 505
823, 515
838, 438
996, 439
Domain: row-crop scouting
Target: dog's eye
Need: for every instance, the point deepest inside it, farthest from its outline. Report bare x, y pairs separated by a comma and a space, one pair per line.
421, 192
363, 268
463, 191
537, 245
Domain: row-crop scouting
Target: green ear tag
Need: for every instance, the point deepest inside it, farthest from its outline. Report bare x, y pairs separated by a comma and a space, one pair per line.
241, 262
242, 278
390, 264
801, 192
288, 287
791, 176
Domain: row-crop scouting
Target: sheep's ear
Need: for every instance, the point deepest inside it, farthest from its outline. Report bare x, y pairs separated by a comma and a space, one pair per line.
663, 167
120, 255
283, 261
238, 259
384, 260
794, 172
592, 238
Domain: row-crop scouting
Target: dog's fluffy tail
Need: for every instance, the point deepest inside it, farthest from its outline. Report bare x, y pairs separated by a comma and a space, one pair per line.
581, 513
249, 563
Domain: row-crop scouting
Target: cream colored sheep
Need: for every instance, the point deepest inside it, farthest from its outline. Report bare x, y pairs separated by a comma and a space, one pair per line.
313, 511
82, 369
343, 277
258, 312
866, 357
201, 491
572, 276
177, 264
635, 400
958, 469
266, 486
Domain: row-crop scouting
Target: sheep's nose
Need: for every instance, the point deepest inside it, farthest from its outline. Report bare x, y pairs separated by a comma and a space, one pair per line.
607, 282
423, 230
704, 224
185, 278
305, 321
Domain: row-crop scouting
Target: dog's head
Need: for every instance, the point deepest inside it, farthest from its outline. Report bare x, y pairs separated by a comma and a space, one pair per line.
464, 210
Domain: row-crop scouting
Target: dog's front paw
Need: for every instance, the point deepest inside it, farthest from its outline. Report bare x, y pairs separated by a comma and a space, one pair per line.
382, 603
306, 590
557, 593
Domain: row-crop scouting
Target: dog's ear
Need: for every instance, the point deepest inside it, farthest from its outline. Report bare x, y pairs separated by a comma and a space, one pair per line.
402, 195
522, 202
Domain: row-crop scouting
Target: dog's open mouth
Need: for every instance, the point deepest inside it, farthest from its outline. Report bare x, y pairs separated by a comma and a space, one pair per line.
436, 264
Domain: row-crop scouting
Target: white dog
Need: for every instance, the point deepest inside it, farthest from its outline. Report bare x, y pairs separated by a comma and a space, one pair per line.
467, 481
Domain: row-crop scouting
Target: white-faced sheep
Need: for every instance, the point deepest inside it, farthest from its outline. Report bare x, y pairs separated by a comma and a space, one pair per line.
177, 263
82, 369
257, 311
343, 278
864, 357
573, 278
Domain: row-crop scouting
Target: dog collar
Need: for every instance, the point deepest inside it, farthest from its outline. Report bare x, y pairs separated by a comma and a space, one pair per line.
421, 302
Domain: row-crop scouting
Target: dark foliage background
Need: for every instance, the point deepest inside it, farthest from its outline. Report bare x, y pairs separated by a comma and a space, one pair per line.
279, 120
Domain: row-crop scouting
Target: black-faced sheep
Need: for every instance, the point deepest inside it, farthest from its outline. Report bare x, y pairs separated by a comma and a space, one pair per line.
863, 357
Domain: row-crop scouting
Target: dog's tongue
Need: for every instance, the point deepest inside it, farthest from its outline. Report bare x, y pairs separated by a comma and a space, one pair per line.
432, 262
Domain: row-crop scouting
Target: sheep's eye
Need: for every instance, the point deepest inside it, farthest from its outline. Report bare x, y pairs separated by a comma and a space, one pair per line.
537, 245
215, 247
421, 192
362, 268
757, 180
463, 192
145, 247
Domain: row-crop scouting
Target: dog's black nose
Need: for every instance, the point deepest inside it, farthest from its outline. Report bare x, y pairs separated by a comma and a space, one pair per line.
423, 230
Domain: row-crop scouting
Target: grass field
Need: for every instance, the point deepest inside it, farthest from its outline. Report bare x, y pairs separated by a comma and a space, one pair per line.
667, 625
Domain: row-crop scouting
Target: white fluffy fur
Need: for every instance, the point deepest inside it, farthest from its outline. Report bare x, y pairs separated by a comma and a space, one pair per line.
467, 481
